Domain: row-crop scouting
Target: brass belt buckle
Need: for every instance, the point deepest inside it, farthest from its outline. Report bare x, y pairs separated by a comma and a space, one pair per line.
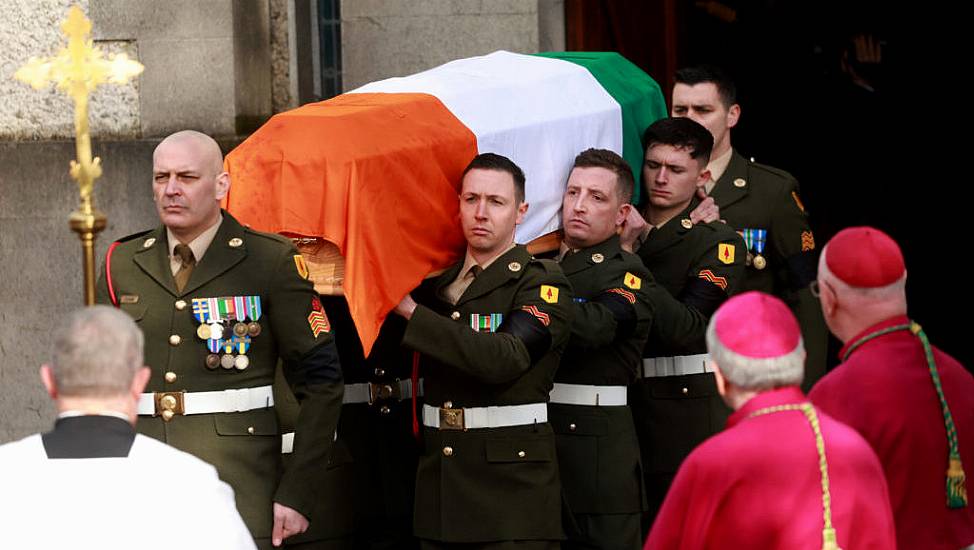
451, 419
169, 404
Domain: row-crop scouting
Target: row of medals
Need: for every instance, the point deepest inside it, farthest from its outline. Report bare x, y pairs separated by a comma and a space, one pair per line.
216, 331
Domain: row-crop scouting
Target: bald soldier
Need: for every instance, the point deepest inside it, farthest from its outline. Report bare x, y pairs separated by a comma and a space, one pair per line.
220, 304
783, 474
912, 402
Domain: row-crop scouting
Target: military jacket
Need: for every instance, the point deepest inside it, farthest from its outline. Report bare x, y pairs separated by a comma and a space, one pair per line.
597, 449
244, 446
499, 345
695, 267
756, 198
612, 316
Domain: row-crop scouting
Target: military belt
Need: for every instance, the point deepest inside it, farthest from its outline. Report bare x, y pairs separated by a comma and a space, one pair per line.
172, 403
462, 419
371, 392
287, 442
581, 394
679, 365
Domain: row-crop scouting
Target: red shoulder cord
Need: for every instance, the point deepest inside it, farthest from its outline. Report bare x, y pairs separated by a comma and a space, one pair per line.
415, 379
108, 273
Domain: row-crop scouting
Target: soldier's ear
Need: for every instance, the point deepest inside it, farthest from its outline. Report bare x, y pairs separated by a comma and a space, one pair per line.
733, 115
222, 185
522, 209
47, 378
623, 214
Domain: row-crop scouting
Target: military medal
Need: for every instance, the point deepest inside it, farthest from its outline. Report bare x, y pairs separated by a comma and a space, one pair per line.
755, 239
253, 328
227, 361
203, 331
216, 331
240, 329
241, 362
212, 361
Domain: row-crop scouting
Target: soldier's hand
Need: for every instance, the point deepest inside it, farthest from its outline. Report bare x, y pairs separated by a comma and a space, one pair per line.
406, 307
287, 522
631, 229
707, 211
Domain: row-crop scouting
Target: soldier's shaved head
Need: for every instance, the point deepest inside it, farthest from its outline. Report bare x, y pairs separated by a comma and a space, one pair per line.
188, 183
207, 148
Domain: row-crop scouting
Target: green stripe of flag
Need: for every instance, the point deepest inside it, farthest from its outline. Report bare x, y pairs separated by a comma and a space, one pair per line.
636, 92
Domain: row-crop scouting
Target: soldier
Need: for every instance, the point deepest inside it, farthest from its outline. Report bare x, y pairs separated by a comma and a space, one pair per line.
220, 304
598, 454
491, 331
912, 402
761, 203
675, 404
783, 474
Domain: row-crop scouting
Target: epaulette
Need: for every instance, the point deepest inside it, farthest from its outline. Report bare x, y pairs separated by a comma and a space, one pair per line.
134, 236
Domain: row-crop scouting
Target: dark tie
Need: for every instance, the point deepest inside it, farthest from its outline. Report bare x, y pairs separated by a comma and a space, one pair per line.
186, 263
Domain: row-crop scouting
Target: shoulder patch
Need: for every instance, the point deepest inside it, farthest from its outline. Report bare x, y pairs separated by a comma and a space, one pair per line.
725, 253
632, 281
549, 294
794, 195
301, 265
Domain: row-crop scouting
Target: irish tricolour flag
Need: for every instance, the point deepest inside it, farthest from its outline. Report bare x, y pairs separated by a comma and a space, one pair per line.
376, 170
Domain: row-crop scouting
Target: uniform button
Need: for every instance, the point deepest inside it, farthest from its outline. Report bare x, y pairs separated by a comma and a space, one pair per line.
384, 409
572, 427
174, 340
455, 315
170, 377
250, 430
447, 451
167, 415
180, 304
686, 391
448, 405
380, 372
521, 454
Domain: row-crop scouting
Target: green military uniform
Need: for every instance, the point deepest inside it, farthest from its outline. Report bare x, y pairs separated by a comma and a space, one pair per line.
244, 446
488, 485
676, 405
753, 196
598, 453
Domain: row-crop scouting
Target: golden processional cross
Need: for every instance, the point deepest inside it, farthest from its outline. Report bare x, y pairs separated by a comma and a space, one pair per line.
77, 70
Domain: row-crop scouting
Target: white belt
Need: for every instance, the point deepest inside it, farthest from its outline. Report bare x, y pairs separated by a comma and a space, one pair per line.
370, 392
580, 394
676, 366
287, 442
484, 417
207, 402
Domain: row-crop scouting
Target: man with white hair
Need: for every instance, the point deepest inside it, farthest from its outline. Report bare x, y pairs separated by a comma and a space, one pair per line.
782, 475
913, 403
89, 483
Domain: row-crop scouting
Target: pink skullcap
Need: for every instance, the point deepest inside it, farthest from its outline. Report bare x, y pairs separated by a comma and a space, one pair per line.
864, 257
757, 325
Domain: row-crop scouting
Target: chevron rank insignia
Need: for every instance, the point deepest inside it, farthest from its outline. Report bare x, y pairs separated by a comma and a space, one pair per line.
629, 296
538, 314
632, 281
808, 241
301, 265
708, 275
549, 294
317, 318
725, 253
